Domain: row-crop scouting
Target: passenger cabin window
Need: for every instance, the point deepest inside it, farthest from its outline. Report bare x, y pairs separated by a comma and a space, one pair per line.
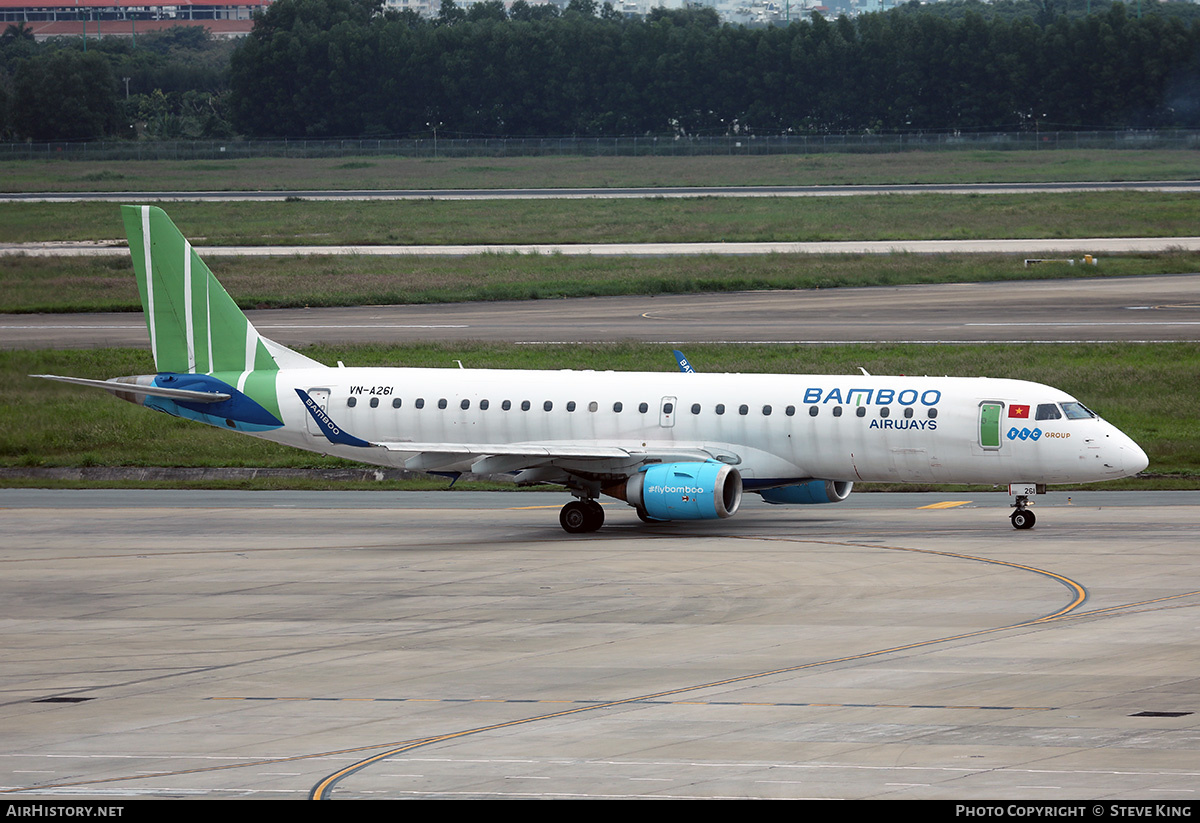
442, 403
813, 411
885, 412
351, 401
790, 411
593, 406
1048, 411
766, 411
525, 405
506, 405
618, 406
483, 405
395, 402
695, 408
861, 411
932, 413
908, 412
464, 405
570, 405
420, 404
374, 402
837, 411
720, 408
548, 405
743, 409
668, 408
645, 407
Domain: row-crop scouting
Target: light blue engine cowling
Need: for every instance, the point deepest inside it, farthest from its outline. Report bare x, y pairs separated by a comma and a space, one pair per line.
814, 491
686, 491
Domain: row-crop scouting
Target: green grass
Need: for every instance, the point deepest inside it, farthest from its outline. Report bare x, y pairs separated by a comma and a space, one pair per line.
272, 173
48, 284
654, 220
1148, 390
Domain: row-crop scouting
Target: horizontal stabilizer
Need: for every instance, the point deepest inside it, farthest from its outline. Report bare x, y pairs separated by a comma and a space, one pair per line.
135, 388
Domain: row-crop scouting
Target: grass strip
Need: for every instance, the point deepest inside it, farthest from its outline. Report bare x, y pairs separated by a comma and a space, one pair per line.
652, 220
378, 172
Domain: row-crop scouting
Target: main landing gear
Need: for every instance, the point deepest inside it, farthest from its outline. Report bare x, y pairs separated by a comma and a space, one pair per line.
580, 516
1021, 517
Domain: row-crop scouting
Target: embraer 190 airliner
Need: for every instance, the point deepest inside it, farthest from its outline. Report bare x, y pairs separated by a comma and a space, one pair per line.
674, 446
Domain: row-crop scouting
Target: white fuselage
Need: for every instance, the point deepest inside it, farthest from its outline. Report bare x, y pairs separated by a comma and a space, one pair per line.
774, 428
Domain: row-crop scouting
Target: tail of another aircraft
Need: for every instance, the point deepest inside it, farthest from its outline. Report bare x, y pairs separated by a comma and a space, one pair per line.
195, 326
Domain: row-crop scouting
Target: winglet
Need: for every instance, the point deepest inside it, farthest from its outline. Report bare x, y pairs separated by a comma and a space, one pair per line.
684, 365
330, 429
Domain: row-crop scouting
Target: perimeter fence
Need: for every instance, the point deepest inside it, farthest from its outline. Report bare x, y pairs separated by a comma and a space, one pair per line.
430, 147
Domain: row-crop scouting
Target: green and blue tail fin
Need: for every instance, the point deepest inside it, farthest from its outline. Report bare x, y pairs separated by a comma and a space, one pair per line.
213, 365
195, 326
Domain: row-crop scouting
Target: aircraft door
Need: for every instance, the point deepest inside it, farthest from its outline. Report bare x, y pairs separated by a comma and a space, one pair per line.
321, 398
989, 425
666, 412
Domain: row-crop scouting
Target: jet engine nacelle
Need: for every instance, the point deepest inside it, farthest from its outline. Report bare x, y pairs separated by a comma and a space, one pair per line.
686, 491
814, 491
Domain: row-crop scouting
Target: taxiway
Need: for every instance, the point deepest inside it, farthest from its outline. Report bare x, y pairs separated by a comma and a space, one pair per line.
1145, 309
367, 645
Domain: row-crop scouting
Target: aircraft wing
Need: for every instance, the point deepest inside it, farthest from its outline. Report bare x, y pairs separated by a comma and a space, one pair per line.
509, 449
496, 458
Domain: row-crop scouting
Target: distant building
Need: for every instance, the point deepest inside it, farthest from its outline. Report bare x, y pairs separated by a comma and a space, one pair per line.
57, 18
123, 18
425, 8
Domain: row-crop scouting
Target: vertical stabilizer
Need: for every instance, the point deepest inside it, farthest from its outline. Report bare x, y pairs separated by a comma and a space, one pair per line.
195, 327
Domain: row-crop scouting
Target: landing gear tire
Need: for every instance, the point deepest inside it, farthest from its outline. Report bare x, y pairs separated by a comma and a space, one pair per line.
581, 516
1023, 519
596, 512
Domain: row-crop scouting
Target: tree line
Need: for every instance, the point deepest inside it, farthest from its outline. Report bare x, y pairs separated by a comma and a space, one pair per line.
344, 67
350, 68
160, 85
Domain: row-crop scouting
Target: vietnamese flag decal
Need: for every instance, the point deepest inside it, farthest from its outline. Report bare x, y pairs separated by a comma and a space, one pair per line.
1019, 411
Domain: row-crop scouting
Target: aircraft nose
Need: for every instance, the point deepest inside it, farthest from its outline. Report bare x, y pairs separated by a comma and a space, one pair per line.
1129, 458
1135, 459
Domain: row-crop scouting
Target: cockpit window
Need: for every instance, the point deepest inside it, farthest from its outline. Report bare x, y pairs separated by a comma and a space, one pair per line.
1048, 411
1077, 411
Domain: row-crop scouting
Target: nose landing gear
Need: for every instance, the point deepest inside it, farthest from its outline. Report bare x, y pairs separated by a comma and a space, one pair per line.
1022, 518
